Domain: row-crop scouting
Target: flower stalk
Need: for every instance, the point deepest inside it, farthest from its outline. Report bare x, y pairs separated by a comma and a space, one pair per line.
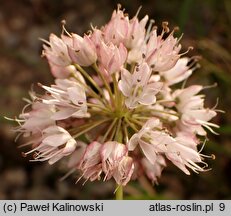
119, 192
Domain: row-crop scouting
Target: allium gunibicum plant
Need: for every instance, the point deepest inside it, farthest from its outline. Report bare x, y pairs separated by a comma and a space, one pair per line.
117, 109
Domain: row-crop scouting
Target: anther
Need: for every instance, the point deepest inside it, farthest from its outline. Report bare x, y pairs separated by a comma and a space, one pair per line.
39, 84
35, 155
119, 6
213, 156
189, 48
38, 100
43, 54
176, 28
63, 22
23, 154
165, 26
155, 27
89, 32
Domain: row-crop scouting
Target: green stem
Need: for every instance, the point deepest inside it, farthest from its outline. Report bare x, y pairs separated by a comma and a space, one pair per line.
115, 84
119, 192
109, 130
90, 128
131, 125
117, 134
98, 106
112, 133
136, 121
85, 74
93, 111
104, 81
125, 130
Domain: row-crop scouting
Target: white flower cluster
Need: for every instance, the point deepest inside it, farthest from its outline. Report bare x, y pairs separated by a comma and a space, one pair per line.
115, 108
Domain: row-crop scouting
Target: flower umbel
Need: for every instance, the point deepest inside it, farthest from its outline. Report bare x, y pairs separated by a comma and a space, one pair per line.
114, 109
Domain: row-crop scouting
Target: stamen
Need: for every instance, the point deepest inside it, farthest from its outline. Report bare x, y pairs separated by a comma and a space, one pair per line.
189, 48
215, 106
202, 147
45, 41
138, 11
149, 29
63, 23
67, 174
119, 6
210, 86
212, 156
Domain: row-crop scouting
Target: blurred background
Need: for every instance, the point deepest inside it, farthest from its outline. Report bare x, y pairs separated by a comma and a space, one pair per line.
206, 26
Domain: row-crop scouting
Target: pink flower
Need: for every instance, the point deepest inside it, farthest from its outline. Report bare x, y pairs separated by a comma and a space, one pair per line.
161, 54
153, 142
183, 156
112, 57
193, 114
184, 96
57, 53
118, 83
123, 172
37, 119
112, 153
56, 143
178, 73
77, 155
90, 164
82, 50
136, 87
117, 29
69, 98
150, 139
136, 33
62, 72
153, 171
